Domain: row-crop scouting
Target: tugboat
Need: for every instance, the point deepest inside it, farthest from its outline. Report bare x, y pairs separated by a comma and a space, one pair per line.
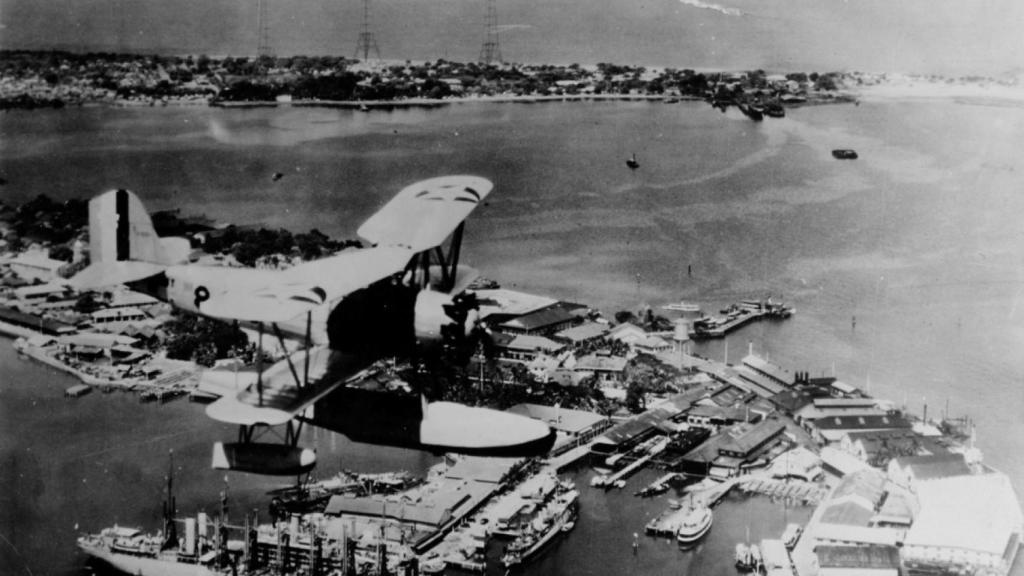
695, 524
748, 558
632, 163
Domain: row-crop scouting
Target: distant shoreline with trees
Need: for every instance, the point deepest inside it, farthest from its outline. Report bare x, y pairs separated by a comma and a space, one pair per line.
34, 79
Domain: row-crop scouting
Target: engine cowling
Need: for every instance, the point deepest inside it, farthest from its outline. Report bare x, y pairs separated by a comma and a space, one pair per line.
446, 323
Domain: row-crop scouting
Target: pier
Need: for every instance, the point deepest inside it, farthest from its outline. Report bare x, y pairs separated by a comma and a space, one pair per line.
633, 467
737, 316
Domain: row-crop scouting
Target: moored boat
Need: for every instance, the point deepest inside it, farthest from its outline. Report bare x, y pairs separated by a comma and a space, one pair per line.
557, 517
694, 524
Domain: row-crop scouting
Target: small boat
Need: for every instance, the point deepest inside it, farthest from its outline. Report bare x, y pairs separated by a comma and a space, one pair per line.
364, 108
844, 154
632, 163
791, 535
277, 176
619, 484
742, 556
775, 110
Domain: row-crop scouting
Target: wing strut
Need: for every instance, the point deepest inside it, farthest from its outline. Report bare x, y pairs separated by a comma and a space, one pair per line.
288, 357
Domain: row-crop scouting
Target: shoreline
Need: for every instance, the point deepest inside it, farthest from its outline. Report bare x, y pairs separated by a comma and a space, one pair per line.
999, 95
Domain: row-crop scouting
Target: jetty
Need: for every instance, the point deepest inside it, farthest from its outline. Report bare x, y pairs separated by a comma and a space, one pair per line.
738, 315
609, 481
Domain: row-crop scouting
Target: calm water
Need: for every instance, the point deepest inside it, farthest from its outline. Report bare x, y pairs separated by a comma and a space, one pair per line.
919, 240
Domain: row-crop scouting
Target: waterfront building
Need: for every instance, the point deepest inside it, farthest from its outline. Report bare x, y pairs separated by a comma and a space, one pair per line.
724, 455
36, 266
545, 321
948, 518
426, 514
607, 368
638, 339
831, 429
499, 305
102, 318
966, 524
763, 385
797, 463
586, 332
910, 471
29, 322
858, 560
715, 417
525, 347
574, 427
879, 447
822, 408
768, 369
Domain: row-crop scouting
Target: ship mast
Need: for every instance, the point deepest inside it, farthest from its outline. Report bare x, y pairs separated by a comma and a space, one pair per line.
170, 509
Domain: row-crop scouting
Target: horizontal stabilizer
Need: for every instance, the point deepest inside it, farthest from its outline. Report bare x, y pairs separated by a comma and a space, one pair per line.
424, 214
111, 273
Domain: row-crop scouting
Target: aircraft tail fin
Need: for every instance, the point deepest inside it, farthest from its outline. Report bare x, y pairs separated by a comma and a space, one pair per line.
123, 245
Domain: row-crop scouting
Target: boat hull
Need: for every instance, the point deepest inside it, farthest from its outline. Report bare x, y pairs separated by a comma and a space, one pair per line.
146, 566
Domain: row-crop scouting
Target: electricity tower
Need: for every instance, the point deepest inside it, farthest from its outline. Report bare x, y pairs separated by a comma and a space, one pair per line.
367, 41
263, 28
491, 50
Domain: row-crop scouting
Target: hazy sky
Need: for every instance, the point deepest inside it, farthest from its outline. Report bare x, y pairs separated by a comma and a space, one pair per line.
942, 36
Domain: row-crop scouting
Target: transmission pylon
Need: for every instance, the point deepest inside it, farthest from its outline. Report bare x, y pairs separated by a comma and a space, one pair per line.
367, 41
491, 50
263, 26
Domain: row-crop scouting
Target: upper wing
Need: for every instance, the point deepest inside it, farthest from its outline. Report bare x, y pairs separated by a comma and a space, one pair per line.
286, 294
424, 214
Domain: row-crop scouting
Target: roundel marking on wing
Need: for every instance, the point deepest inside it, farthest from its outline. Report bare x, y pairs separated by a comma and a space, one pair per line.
450, 192
317, 295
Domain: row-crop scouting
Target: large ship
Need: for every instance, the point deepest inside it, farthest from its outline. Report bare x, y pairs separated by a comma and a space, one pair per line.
556, 517
202, 552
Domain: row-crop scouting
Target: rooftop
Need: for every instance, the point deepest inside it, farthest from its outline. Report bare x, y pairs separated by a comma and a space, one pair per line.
503, 301
978, 513
934, 466
481, 469
539, 319
866, 422
859, 557
562, 419
583, 332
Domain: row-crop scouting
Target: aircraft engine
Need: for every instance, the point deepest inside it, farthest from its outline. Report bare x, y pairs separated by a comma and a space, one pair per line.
446, 323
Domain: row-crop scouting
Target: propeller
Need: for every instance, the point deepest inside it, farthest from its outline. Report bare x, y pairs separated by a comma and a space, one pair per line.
467, 331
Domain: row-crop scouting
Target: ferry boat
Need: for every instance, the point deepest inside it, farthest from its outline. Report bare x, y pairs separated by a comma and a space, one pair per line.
695, 524
683, 306
557, 517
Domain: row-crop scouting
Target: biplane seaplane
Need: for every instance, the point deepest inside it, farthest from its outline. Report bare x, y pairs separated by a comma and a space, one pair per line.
403, 297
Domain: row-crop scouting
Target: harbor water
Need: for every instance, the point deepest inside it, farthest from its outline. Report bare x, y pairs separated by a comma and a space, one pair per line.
906, 268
